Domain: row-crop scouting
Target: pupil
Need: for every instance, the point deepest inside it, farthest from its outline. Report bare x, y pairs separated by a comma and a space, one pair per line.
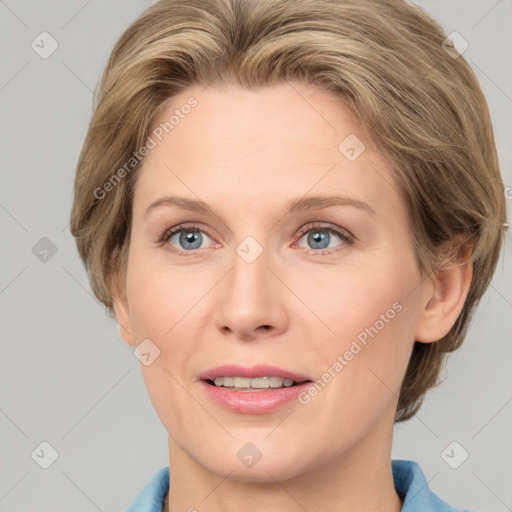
190, 237
317, 236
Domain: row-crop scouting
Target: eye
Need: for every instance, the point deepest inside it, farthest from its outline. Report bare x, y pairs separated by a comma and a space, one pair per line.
319, 238
187, 238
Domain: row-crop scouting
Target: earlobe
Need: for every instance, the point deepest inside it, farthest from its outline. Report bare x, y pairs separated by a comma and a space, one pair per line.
444, 299
122, 312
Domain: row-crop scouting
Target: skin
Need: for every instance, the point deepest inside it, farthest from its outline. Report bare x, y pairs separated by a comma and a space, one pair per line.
247, 154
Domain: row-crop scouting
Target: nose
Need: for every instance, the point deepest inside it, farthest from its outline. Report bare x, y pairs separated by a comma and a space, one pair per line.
249, 301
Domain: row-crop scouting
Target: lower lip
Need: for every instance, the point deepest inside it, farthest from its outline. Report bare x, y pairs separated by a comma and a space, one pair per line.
253, 402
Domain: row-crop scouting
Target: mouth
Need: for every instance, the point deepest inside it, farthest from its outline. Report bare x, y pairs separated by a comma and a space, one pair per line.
254, 390
247, 384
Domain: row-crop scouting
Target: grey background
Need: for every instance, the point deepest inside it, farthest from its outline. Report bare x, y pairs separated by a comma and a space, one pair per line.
67, 378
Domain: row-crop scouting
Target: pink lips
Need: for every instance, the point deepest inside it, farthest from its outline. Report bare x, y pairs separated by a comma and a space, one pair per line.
252, 402
259, 370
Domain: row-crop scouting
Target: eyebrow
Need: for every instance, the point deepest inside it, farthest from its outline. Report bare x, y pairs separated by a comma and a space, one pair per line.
297, 205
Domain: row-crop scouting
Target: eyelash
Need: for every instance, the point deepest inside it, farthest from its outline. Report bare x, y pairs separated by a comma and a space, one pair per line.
330, 228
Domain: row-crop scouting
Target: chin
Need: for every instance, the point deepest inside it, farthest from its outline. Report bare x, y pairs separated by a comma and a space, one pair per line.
260, 473
265, 469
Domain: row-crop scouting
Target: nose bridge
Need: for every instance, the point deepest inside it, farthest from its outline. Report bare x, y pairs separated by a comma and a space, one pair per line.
249, 281
250, 296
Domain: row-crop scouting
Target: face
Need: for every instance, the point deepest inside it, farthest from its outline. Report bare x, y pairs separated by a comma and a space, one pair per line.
326, 292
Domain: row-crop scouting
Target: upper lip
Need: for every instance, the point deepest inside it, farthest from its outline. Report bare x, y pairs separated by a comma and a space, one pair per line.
259, 370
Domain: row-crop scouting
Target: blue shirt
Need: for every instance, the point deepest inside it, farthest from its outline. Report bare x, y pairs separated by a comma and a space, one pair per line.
408, 478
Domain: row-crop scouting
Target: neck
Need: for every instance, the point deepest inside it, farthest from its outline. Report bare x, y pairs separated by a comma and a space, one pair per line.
358, 479
387, 501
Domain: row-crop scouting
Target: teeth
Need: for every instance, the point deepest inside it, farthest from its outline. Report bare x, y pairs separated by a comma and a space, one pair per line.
255, 383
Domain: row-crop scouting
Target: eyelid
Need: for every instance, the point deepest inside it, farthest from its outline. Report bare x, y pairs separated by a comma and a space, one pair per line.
327, 226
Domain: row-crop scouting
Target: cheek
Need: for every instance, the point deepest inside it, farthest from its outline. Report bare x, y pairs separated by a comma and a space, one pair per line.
160, 301
163, 308
354, 303
370, 316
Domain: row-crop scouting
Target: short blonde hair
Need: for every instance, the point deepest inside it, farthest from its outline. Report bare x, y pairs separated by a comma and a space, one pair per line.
385, 59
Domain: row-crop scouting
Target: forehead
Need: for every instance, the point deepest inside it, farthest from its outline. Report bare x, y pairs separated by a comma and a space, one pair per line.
285, 139
277, 116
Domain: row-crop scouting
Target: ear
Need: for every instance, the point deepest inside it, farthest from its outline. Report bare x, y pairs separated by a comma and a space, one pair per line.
122, 311
445, 294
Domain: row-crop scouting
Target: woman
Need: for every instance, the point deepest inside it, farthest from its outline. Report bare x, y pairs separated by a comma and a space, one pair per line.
292, 208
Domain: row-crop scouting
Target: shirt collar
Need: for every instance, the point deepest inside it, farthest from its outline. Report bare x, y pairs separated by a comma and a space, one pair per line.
410, 482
